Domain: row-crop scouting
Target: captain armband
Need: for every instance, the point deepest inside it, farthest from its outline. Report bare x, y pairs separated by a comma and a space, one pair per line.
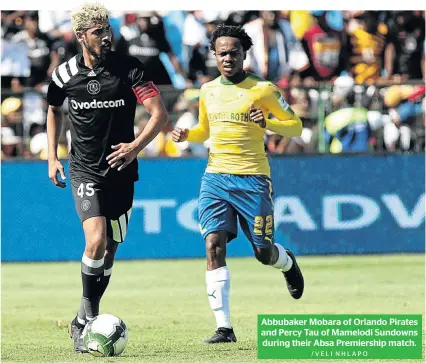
145, 91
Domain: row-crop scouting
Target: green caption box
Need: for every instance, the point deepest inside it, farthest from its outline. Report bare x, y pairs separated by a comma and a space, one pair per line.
339, 336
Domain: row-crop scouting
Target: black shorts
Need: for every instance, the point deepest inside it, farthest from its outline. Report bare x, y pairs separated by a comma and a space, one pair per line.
112, 200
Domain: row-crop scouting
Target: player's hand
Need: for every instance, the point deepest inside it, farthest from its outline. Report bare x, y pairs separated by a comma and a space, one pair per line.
179, 135
123, 155
256, 115
56, 167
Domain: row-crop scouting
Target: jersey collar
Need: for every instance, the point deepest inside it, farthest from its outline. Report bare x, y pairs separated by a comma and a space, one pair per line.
228, 83
98, 68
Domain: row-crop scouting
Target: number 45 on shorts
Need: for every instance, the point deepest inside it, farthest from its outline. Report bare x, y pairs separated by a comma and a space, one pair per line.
86, 189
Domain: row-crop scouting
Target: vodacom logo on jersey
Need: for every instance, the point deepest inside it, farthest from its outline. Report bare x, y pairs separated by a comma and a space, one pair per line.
96, 104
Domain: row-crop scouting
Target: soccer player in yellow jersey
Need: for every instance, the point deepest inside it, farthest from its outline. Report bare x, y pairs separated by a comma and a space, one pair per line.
234, 110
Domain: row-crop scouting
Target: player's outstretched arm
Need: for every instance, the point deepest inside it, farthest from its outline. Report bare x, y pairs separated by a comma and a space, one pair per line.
125, 153
199, 133
53, 125
289, 128
288, 123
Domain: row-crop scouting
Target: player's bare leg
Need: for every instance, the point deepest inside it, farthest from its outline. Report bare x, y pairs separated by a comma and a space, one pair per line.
92, 273
218, 285
284, 260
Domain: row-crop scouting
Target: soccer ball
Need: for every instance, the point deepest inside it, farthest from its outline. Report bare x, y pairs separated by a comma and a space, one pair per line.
105, 336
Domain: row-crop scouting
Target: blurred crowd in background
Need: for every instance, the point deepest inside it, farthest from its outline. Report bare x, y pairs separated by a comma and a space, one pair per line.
356, 78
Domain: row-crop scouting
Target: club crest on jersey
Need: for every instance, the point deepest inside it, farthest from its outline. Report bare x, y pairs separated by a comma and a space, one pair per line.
93, 87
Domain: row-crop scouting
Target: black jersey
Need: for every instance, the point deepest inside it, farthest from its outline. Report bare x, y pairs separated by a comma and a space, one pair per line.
102, 105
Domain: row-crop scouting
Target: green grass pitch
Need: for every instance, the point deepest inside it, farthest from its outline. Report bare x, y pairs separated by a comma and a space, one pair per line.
165, 306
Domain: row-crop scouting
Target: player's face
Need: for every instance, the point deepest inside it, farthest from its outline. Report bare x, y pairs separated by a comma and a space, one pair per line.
229, 56
97, 40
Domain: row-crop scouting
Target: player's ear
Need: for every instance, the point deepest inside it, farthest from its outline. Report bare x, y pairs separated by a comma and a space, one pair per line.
245, 54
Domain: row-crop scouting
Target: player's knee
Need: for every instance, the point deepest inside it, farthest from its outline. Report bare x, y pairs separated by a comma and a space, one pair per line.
95, 243
263, 255
97, 239
214, 242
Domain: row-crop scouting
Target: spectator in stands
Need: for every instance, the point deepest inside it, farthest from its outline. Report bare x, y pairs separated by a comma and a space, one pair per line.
146, 40
301, 21
11, 111
325, 47
11, 145
384, 47
39, 147
239, 18
173, 21
43, 59
367, 39
347, 129
406, 49
55, 23
197, 30
342, 87
414, 112
406, 115
196, 46
11, 23
273, 41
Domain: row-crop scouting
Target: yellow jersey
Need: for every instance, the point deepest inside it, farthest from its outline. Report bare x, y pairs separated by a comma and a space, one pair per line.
237, 145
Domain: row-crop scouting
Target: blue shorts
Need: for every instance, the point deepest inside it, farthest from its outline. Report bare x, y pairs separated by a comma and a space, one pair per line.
226, 197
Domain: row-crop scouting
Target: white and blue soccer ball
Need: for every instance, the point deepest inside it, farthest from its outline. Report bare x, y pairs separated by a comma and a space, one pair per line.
105, 336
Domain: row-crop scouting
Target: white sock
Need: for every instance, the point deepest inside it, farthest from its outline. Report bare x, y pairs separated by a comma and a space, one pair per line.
284, 261
218, 284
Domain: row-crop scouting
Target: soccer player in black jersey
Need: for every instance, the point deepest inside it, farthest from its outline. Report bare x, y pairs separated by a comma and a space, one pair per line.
102, 88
